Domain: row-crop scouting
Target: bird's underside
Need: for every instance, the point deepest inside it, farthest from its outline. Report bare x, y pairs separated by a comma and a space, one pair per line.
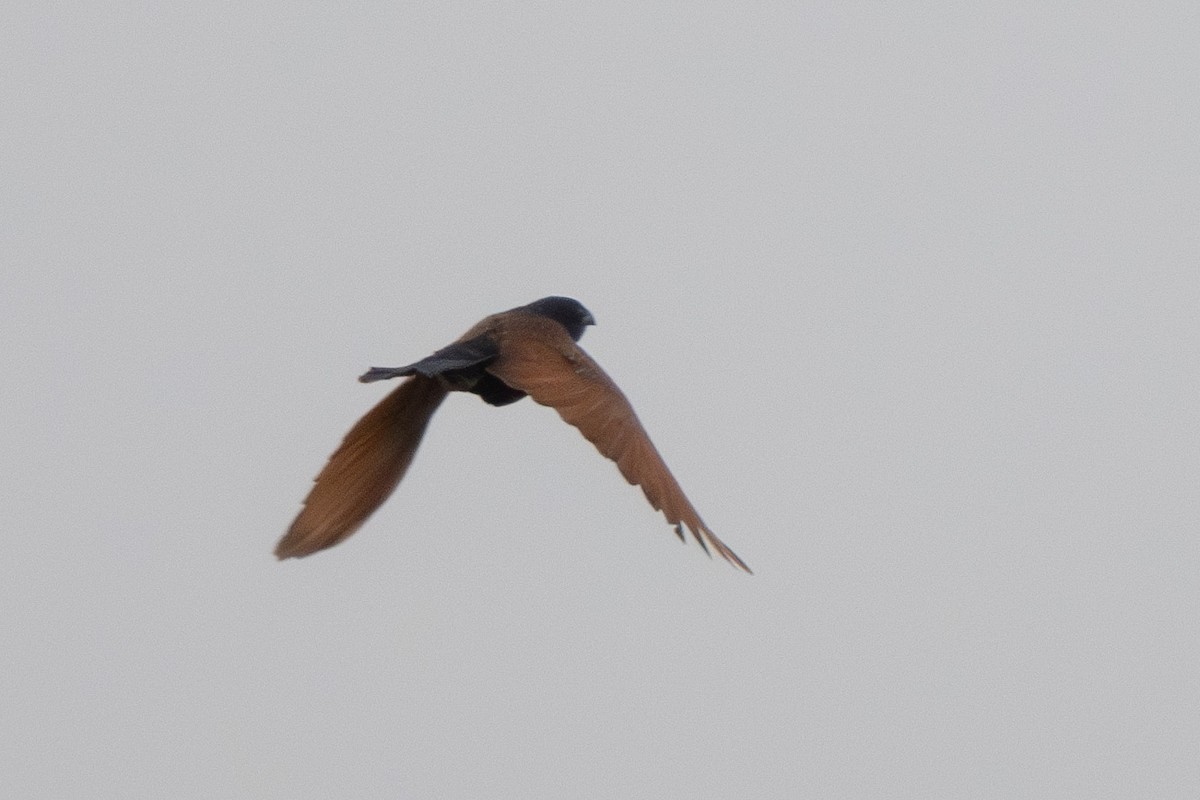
529, 350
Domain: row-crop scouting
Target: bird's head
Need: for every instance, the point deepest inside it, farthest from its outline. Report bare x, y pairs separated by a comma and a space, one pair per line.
566, 312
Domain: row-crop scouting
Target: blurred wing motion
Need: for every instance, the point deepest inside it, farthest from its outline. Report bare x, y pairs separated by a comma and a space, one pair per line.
365, 469
556, 372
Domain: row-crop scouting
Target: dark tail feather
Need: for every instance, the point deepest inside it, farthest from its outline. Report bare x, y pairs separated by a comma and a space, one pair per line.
384, 373
458, 356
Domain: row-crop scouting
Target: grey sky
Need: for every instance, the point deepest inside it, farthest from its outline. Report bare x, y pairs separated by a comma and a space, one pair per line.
907, 296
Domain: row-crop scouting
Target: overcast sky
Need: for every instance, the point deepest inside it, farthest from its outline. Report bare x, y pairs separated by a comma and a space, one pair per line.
906, 294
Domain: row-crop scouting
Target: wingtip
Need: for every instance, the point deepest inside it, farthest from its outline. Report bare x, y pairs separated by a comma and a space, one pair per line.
294, 544
283, 553
737, 562
705, 537
733, 558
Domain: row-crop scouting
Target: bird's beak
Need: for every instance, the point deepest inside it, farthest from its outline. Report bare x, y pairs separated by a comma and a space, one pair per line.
588, 319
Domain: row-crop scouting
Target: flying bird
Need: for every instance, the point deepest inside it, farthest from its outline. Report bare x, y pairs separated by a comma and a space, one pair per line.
530, 350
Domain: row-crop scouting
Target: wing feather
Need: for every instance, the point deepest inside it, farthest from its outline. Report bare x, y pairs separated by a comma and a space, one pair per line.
542, 360
365, 469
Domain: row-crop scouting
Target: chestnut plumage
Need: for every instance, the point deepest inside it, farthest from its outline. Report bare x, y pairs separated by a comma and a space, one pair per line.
530, 350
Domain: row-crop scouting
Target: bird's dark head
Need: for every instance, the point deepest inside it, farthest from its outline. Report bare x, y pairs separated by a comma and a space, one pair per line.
566, 312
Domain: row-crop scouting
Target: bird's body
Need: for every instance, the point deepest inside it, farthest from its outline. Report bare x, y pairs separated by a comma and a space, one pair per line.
530, 350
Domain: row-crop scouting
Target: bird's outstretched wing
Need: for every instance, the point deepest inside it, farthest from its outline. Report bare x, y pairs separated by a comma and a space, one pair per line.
539, 358
365, 469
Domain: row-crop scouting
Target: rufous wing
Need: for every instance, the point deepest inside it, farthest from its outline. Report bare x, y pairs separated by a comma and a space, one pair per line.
541, 359
365, 469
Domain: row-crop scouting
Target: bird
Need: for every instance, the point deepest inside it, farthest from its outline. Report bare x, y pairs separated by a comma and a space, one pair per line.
529, 350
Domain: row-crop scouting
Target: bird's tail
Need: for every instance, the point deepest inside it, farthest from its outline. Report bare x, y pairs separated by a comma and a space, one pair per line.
384, 373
